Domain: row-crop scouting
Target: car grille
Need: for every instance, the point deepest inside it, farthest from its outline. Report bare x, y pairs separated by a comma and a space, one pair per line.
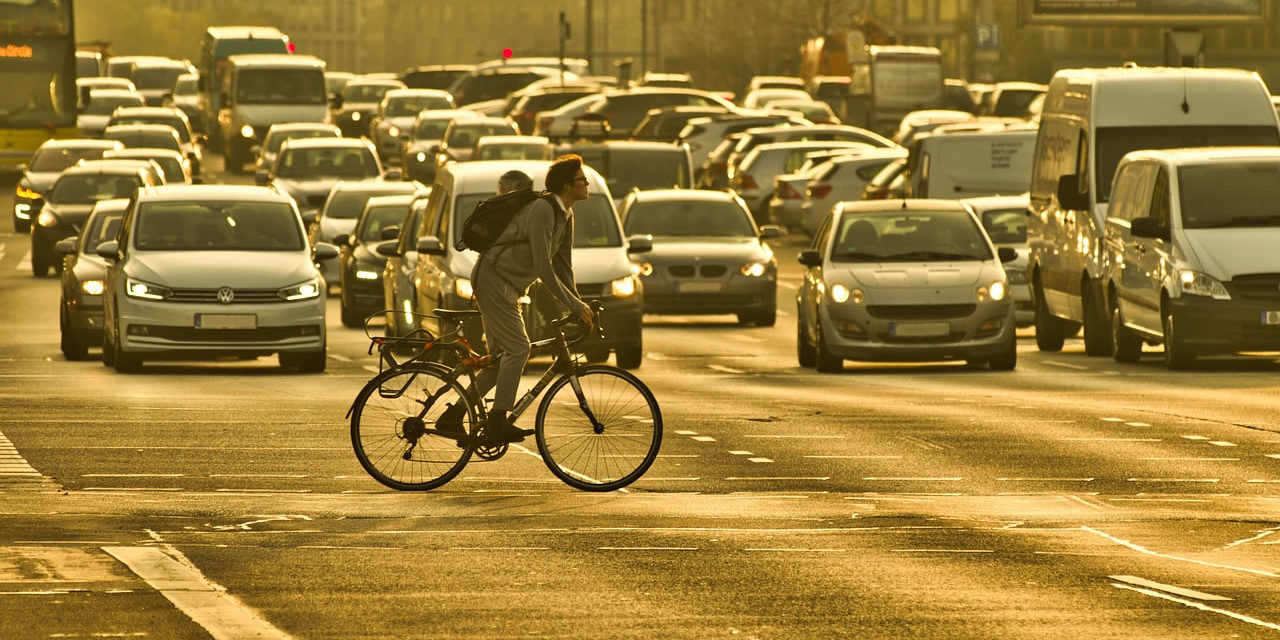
1257, 286
920, 311
191, 334
689, 271
243, 296
955, 336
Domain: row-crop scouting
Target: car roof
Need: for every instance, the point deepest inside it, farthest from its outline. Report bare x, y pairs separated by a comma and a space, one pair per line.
482, 175
149, 111
1207, 155
988, 203
114, 93
684, 195
111, 205
166, 63
485, 120
212, 192
141, 152
447, 114
378, 82
514, 139
328, 143
80, 143
415, 93
385, 201
109, 166
302, 126
139, 128
630, 145
275, 60
909, 204
392, 186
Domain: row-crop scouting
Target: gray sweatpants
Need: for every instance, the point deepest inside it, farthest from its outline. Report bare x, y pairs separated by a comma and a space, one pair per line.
504, 332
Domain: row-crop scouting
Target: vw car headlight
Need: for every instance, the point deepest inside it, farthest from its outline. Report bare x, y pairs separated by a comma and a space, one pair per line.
92, 287
1202, 284
303, 291
754, 269
145, 290
462, 287
623, 287
246, 131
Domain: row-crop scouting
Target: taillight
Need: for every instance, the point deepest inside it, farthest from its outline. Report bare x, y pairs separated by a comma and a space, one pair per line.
745, 181
878, 194
788, 192
820, 190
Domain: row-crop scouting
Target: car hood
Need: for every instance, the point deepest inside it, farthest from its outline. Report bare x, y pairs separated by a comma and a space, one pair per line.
304, 188
215, 269
267, 114
707, 249
894, 275
1227, 253
593, 265
331, 228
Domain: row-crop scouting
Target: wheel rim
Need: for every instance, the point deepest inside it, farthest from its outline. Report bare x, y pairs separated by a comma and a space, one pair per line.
384, 426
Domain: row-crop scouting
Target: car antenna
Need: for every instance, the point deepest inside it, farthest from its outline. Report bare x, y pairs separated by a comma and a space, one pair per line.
1186, 106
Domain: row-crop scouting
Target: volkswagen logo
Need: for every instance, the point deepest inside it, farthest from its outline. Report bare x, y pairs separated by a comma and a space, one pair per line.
226, 295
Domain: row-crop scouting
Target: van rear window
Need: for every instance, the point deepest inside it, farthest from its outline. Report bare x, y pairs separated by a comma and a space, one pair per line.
1114, 142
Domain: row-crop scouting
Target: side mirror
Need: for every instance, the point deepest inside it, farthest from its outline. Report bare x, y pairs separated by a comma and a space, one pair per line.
335, 100
809, 258
430, 246
262, 178
1069, 195
65, 246
1147, 228
309, 217
109, 250
1007, 254
341, 239
391, 233
770, 231
639, 244
387, 249
324, 251
393, 174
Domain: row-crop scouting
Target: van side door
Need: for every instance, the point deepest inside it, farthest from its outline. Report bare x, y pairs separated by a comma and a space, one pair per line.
1154, 255
1129, 199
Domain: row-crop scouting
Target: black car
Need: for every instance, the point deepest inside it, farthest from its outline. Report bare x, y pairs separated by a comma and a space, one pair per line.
435, 76
47, 163
361, 263
83, 276
69, 201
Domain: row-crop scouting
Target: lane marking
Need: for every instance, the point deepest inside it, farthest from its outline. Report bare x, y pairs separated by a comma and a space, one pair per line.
370, 368
800, 437
1137, 424
572, 472
856, 457
1192, 459
1205, 480
1275, 456
1142, 549
1261, 534
1111, 439
686, 433
1262, 481
723, 369
1221, 443
340, 358
944, 550
14, 465
794, 550
742, 453
646, 548
1066, 365
1113, 419
204, 601
779, 478
703, 439
132, 489
905, 479
1045, 479
1196, 437
1197, 605
133, 475
759, 460
751, 339
1080, 500
1168, 588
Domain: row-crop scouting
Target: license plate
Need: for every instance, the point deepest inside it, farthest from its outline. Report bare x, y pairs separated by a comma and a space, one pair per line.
920, 329
698, 287
1271, 317
226, 321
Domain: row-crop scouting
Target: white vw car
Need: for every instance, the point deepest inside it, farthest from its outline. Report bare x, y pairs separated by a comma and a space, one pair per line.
207, 271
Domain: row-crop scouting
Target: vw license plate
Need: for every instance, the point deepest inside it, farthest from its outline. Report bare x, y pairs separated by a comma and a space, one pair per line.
920, 329
698, 287
226, 321
1271, 317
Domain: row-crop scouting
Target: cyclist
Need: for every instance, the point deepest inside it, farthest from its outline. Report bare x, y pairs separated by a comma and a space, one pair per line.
536, 245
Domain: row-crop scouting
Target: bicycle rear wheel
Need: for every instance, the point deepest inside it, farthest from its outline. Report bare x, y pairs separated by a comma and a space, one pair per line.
393, 428
614, 450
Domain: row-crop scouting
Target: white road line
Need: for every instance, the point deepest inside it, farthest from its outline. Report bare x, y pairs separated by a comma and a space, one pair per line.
370, 368
1156, 500
133, 475
788, 285
944, 550
207, 603
1260, 535
1066, 366
1275, 456
905, 479
1204, 480
723, 369
1113, 419
856, 457
646, 548
783, 314
25, 263
340, 358
794, 550
1261, 481
686, 433
572, 472
751, 339
132, 489
1221, 443
779, 478
1197, 605
1196, 437
759, 460
1044, 479
1111, 439
1168, 588
742, 453
805, 437
703, 439
1141, 549
1084, 502
14, 465
1192, 459
1137, 424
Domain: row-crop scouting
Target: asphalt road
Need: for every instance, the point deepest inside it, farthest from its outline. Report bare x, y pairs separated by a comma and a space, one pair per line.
1072, 498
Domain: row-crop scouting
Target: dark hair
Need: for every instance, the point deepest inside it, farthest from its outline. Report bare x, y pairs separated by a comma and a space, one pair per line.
562, 172
514, 180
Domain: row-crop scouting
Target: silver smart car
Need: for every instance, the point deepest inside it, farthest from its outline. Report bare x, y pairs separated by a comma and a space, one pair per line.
904, 280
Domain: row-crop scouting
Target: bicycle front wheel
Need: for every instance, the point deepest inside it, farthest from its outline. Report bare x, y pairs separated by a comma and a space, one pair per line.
601, 433
394, 428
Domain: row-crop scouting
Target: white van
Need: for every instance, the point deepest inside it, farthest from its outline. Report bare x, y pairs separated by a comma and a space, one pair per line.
260, 90
968, 164
1185, 271
1091, 119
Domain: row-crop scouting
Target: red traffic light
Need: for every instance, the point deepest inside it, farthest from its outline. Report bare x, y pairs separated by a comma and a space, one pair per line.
506, 53
291, 47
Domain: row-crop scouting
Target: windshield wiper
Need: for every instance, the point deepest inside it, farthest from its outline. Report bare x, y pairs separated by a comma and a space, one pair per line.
930, 255
1243, 221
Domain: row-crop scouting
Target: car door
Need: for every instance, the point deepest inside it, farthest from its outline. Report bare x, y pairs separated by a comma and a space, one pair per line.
429, 270
1128, 197
812, 287
398, 275
1154, 255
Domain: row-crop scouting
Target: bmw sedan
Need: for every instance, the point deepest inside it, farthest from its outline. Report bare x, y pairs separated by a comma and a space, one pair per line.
208, 271
904, 280
708, 255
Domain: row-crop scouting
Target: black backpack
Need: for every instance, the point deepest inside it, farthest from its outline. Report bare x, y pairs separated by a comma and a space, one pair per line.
491, 217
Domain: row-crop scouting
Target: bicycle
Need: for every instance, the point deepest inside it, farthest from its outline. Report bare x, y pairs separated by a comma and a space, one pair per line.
598, 427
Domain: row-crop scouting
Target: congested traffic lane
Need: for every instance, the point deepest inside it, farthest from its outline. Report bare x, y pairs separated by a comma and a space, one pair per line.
948, 501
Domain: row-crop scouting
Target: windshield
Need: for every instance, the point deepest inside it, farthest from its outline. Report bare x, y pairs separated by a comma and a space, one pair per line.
103, 229
431, 129
180, 126
280, 86
146, 139
57, 159
105, 105
88, 188
156, 77
347, 163
348, 203
627, 170
514, 151
366, 92
380, 218
409, 107
184, 87
908, 236
466, 135
274, 140
675, 218
1115, 142
1245, 194
39, 86
594, 222
171, 167
218, 226
1006, 226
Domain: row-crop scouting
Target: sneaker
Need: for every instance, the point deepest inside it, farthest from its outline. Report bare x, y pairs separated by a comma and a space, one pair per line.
498, 428
449, 423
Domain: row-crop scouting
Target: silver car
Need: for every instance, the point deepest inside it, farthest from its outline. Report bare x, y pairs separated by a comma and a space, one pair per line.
1005, 219
904, 280
206, 271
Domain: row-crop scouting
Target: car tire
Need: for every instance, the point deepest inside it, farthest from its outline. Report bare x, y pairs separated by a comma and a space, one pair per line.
825, 361
759, 318
73, 344
1097, 326
313, 362
629, 357
39, 267
1007, 360
1177, 355
108, 349
125, 362
806, 354
1128, 346
1050, 333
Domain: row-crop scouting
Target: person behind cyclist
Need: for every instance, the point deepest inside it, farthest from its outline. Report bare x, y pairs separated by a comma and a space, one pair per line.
536, 245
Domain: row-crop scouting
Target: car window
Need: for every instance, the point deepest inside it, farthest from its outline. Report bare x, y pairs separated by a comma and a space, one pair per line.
1251, 188
676, 218
342, 162
365, 92
217, 226
625, 170
514, 152
179, 127
431, 128
59, 158
1114, 142
467, 135
280, 86
87, 188
104, 229
105, 105
1005, 226
379, 218
410, 106
908, 236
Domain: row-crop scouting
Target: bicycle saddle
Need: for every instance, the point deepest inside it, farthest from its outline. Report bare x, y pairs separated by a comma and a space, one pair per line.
449, 314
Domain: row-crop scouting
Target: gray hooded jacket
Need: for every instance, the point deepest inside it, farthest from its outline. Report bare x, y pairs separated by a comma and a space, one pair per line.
536, 245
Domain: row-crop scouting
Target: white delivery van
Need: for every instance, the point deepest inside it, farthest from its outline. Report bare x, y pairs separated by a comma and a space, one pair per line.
1185, 271
889, 82
262, 89
968, 164
1091, 119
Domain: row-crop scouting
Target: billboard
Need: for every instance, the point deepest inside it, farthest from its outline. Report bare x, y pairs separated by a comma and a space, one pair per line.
1161, 13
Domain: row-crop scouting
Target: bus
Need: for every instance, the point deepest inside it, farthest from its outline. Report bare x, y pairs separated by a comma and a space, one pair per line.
38, 65
218, 44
